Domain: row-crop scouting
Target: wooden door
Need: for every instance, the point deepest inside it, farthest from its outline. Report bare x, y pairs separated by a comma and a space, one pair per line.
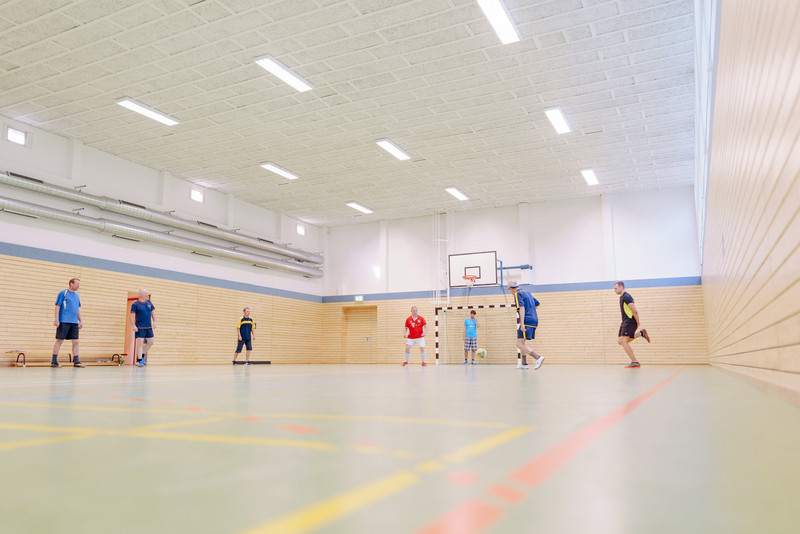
361, 329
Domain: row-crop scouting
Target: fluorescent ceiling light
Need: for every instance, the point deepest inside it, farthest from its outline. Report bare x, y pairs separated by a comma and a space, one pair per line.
16, 136
359, 207
196, 195
301, 230
283, 72
147, 111
280, 170
557, 120
457, 193
589, 176
393, 149
500, 21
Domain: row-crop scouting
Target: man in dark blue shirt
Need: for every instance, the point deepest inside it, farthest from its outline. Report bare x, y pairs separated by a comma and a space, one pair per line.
143, 321
528, 321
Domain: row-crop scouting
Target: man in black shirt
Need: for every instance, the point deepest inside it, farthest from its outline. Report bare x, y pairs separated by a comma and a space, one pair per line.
630, 322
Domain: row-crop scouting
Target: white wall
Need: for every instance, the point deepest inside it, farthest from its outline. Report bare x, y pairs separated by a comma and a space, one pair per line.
655, 234
567, 241
641, 235
647, 234
67, 163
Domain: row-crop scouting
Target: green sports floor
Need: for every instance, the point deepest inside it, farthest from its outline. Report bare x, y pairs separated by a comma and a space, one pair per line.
386, 449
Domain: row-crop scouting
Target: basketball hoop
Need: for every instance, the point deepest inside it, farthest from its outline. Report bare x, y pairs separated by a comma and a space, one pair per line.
470, 278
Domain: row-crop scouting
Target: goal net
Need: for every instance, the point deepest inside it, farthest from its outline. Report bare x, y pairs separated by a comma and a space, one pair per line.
496, 333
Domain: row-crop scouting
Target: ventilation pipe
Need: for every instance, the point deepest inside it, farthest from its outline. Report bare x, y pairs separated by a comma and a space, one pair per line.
116, 206
142, 234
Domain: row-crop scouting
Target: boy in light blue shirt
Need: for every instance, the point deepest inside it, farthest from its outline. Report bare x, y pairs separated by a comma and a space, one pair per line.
470, 336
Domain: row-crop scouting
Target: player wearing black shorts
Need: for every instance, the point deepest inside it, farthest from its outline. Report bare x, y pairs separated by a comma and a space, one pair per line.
68, 321
245, 333
630, 322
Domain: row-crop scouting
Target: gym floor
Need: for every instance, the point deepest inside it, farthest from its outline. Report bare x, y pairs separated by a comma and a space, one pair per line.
389, 449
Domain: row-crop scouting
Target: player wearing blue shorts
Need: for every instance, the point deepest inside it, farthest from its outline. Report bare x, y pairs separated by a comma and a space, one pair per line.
245, 333
528, 321
470, 336
143, 321
68, 321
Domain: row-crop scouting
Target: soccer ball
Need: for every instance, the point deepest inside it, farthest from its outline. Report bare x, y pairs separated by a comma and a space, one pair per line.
481, 353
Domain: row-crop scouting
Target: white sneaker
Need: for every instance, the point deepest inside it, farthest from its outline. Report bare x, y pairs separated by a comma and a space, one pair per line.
539, 362
525, 367
519, 366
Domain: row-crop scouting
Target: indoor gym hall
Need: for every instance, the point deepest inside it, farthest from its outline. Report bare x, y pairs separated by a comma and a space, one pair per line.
334, 435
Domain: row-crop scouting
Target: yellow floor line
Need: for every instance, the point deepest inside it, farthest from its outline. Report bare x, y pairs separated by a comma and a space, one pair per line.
418, 421
45, 428
94, 408
486, 444
42, 441
176, 424
327, 511
239, 440
152, 433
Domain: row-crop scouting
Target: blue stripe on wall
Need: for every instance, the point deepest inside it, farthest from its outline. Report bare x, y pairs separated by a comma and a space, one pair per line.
32, 253
541, 288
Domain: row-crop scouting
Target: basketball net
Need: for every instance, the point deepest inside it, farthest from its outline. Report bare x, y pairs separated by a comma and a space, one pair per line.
470, 278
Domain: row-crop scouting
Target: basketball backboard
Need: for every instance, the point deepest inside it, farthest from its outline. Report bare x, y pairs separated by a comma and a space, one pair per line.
482, 265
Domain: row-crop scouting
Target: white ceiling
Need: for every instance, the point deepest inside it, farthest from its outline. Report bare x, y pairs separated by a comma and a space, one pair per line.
430, 75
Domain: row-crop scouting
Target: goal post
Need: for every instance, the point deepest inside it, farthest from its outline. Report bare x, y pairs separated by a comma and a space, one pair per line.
496, 333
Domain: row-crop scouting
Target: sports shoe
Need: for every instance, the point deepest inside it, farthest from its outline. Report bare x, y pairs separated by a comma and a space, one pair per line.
644, 335
78, 364
525, 367
632, 365
55, 364
141, 363
248, 363
234, 362
519, 366
424, 364
539, 362
465, 362
404, 364
473, 362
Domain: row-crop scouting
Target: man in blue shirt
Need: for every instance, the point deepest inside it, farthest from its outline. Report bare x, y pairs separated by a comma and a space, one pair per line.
528, 321
68, 321
143, 321
470, 336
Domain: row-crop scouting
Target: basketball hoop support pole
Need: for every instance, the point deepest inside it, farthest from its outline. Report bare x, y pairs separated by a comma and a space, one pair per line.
521, 267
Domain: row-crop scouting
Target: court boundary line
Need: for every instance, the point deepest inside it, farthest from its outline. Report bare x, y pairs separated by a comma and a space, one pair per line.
537, 471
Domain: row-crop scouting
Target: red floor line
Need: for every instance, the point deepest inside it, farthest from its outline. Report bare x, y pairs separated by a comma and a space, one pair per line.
540, 469
469, 517
474, 516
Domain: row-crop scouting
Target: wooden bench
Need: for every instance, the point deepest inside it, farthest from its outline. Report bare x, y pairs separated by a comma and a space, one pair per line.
18, 358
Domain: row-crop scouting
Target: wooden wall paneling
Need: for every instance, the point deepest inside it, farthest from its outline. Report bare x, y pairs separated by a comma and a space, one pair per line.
751, 271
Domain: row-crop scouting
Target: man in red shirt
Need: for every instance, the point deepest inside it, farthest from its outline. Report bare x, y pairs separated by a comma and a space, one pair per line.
414, 332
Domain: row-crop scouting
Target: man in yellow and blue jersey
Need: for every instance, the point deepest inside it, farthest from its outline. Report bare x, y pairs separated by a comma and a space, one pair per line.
245, 332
